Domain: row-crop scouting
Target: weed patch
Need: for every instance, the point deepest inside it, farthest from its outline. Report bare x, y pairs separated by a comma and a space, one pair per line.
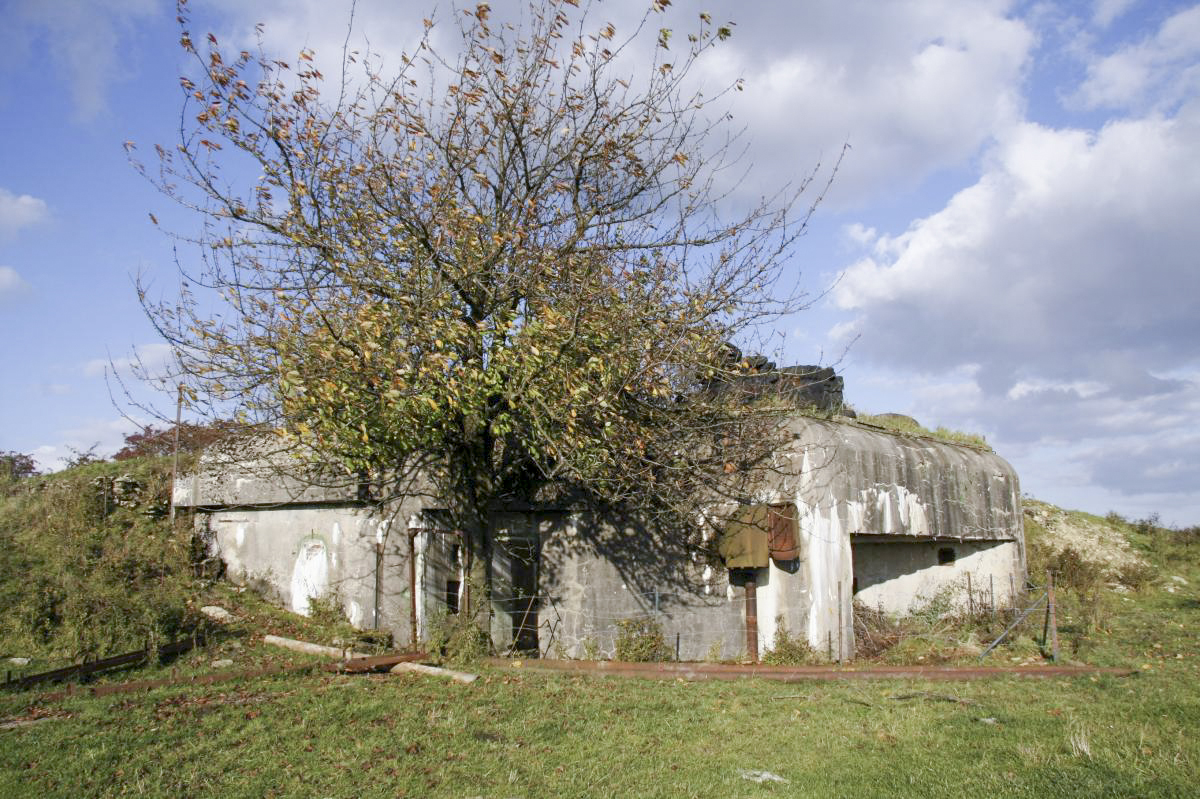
641, 640
89, 564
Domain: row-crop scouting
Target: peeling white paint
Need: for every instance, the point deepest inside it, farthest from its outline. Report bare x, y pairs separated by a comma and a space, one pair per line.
355, 614
855, 514
240, 536
770, 604
337, 534
420, 544
310, 575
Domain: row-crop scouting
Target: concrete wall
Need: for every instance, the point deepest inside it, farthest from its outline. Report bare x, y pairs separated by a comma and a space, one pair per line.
903, 576
296, 553
870, 505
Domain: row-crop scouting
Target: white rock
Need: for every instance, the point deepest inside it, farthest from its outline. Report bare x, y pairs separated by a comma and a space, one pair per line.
760, 776
217, 614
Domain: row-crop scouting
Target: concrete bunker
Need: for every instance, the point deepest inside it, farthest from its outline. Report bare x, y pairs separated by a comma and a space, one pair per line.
856, 513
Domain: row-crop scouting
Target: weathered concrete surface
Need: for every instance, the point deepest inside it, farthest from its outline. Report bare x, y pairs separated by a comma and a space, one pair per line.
851, 485
902, 576
298, 553
870, 505
260, 471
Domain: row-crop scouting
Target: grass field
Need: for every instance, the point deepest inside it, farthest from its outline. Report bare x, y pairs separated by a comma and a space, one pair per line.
551, 735
517, 733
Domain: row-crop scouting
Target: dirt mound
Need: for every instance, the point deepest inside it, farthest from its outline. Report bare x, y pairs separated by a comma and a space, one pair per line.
1096, 541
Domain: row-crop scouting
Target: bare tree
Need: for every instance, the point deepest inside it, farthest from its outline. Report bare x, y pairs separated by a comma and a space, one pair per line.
507, 268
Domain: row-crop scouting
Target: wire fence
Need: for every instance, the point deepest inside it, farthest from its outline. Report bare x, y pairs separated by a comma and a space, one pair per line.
694, 626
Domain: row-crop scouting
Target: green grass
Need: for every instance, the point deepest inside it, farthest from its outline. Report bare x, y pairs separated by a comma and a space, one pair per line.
535, 735
909, 427
529, 734
518, 733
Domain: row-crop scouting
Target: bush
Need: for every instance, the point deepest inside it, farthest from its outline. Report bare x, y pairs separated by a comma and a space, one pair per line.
458, 639
640, 640
85, 576
1073, 572
787, 650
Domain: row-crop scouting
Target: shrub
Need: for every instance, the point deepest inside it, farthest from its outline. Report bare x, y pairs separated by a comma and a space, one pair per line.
641, 640
1075, 573
1136, 575
458, 639
787, 650
82, 576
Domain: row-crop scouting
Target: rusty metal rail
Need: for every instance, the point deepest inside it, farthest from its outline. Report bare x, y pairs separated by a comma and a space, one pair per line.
365, 665
88, 668
721, 671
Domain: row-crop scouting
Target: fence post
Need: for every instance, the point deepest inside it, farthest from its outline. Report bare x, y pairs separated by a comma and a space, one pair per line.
1051, 620
970, 597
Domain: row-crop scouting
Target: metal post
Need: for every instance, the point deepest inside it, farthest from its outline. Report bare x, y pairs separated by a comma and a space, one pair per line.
970, 597
751, 619
992, 593
1051, 620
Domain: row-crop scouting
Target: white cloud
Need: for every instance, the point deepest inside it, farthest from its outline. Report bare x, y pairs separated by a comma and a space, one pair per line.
1108, 11
86, 39
1072, 258
19, 211
1159, 71
1082, 389
149, 360
106, 435
913, 86
11, 283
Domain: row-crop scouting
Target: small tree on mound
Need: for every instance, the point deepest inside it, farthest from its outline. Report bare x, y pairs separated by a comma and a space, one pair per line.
15, 465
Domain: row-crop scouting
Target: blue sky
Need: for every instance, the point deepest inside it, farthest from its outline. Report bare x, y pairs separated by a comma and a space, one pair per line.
1010, 246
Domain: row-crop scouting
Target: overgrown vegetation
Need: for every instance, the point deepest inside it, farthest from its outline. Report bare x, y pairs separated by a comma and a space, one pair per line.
537, 735
90, 566
1101, 567
898, 423
789, 650
459, 639
640, 640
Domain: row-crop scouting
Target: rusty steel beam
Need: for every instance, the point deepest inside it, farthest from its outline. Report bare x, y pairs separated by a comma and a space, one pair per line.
725, 671
88, 668
367, 665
